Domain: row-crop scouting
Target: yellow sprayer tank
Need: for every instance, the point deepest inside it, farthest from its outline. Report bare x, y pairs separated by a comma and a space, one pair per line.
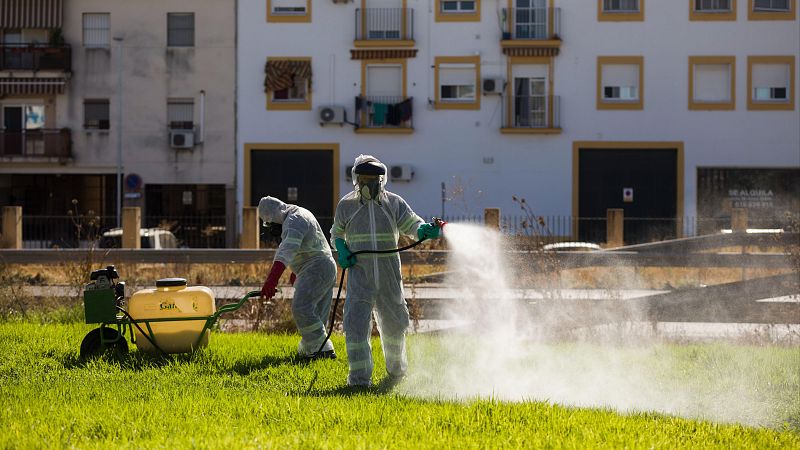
172, 299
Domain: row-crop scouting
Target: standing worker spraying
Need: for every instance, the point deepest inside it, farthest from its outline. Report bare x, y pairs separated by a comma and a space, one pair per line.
371, 218
305, 250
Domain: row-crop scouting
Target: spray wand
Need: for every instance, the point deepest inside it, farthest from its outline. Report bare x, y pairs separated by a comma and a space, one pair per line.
437, 222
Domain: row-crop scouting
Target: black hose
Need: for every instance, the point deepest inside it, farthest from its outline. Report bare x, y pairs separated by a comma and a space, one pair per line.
341, 283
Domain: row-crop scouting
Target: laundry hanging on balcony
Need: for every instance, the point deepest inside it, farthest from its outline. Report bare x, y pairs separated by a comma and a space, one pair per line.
283, 74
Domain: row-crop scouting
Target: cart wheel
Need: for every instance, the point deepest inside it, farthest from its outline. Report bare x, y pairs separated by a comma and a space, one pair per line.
91, 345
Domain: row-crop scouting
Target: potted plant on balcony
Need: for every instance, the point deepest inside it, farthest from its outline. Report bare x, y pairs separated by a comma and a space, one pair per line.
56, 38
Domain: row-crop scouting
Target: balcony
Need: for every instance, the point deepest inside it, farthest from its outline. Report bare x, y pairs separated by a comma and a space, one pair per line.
384, 114
35, 57
533, 114
36, 144
384, 27
531, 27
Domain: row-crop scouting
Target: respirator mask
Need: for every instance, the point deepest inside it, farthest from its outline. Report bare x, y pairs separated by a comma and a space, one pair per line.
369, 189
273, 231
368, 175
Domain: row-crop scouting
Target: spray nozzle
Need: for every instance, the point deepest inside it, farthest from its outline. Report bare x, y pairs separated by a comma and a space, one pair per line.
439, 223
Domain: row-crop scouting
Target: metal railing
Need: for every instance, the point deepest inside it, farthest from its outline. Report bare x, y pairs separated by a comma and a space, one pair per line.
65, 231
532, 23
384, 24
384, 112
35, 57
43, 142
535, 111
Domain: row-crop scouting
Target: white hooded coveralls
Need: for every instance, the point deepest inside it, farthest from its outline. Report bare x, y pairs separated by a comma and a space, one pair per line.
305, 251
375, 280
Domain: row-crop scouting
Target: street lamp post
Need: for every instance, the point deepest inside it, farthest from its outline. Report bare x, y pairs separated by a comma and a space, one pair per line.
119, 40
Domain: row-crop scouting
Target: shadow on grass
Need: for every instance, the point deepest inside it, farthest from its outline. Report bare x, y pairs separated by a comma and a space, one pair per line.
384, 387
139, 361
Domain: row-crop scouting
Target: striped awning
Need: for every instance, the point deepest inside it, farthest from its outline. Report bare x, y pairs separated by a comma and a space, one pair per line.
31, 13
32, 86
530, 51
383, 53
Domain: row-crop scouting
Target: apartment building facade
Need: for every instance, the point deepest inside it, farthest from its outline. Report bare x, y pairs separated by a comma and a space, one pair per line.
106, 100
666, 109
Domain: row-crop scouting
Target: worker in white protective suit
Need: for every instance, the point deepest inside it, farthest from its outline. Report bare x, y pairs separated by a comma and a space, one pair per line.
305, 250
371, 218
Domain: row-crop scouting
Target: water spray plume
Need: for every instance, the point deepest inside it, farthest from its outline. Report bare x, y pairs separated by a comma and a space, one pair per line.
501, 352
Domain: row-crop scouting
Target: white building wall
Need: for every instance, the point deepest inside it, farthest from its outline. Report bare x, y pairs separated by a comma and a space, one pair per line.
152, 73
456, 147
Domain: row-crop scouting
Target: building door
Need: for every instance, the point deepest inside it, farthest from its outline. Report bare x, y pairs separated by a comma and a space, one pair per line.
12, 130
530, 19
299, 177
530, 102
641, 182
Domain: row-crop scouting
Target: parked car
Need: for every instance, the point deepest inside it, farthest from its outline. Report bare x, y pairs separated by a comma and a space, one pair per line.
155, 238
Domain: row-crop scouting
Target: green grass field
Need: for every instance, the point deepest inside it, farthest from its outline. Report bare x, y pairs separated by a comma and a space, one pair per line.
247, 391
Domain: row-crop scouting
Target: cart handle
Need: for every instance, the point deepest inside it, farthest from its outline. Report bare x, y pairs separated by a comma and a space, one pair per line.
234, 306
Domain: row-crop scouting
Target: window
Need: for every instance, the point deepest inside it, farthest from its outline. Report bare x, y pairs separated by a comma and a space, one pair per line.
712, 82
96, 31
288, 10
620, 10
288, 83
620, 5
531, 107
458, 82
712, 10
771, 5
180, 113
95, 114
180, 29
771, 9
458, 11
620, 82
770, 82
383, 106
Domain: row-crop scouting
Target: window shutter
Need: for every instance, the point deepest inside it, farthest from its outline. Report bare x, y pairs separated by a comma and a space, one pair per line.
620, 75
180, 111
95, 30
530, 71
712, 82
288, 4
770, 75
384, 80
457, 74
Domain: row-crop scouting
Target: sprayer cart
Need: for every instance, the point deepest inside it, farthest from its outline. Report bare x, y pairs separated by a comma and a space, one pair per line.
172, 318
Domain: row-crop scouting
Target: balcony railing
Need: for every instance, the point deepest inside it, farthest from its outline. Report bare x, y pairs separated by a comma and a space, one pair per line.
532, 23
35, 57
36, 143
384, 24
384, 112
535, 111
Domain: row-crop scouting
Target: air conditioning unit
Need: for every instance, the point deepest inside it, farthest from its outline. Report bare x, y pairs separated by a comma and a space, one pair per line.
402, 172
181, 138
331, 114
492, 86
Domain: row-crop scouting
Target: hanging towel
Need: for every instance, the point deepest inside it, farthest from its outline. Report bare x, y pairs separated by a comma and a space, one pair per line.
404, 109
392, 117
379, 113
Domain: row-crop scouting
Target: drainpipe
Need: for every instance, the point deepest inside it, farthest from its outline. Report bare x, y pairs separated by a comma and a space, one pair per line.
202, 116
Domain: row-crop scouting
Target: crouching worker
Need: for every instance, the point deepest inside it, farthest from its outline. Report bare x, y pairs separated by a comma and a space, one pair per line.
306, 252
372, 218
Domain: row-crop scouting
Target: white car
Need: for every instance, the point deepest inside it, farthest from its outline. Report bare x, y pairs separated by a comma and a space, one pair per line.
155, 238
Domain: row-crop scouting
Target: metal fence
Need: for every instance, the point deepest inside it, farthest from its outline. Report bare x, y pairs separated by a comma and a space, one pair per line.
71, 231
192, 231
35, 57
384, 112
42, 142
531, 23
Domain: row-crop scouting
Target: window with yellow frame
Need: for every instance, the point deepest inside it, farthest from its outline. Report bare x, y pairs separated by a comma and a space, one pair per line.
620, 10
289, 11
457, 81
770, 83
771, 9
711, 10
620, 82
287, 83
458, 10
